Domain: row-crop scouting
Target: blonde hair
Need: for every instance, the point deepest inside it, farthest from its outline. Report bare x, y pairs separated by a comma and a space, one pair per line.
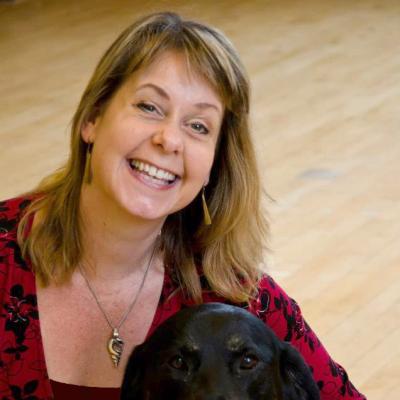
229, 251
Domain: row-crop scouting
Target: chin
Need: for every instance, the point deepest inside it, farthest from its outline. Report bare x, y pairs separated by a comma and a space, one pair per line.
148, 209
144, 211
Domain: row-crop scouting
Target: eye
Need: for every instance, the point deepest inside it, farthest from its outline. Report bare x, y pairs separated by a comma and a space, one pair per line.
178, 362
147, 107
198, 127
248, 361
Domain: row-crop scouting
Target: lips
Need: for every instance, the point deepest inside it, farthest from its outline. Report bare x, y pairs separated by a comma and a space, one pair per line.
153, 172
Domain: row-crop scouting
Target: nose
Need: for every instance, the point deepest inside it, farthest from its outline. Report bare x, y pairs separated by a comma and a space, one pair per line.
169, 137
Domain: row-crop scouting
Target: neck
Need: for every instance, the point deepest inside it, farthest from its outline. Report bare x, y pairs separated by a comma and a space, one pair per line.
115, 245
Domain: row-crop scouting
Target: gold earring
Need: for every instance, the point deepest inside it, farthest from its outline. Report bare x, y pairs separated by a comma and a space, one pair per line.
207, 217
87, 174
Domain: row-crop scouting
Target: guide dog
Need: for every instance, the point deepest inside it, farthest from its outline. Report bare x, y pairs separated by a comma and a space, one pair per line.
216, 352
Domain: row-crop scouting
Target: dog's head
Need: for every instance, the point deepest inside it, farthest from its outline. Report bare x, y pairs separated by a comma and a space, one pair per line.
216, 352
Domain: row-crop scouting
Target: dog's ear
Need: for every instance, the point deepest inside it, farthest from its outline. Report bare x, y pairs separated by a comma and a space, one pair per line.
132, 384
298, 382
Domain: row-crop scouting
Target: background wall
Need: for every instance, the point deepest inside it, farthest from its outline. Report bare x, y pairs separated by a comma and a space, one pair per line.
326, 95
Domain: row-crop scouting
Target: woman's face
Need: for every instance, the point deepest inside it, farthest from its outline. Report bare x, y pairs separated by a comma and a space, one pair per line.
155, 141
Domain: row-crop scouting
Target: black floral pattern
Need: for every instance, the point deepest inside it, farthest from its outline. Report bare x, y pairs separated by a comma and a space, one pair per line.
26, 392
19, 311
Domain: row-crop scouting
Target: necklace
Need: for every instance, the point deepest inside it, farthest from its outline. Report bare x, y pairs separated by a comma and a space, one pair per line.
115, 345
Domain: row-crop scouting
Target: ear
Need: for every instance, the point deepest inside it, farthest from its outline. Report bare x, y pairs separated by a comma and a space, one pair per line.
298, 382
88, 131
132, 384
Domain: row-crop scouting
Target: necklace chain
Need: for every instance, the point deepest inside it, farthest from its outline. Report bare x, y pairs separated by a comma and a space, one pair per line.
115, 345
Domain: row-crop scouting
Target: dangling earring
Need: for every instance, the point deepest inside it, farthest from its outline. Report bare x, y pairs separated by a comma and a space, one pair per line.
207, 217
87, 174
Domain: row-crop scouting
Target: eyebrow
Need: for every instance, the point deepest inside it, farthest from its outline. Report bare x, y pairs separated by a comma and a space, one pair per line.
164, 94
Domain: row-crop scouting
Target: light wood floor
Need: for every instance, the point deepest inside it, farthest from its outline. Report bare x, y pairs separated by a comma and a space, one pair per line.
326, 121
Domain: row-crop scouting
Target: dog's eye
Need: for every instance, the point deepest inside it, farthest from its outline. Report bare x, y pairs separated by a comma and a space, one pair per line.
178, 362
248, 361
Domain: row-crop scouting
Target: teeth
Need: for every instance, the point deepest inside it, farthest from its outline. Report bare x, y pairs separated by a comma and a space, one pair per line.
153, 171
160, 174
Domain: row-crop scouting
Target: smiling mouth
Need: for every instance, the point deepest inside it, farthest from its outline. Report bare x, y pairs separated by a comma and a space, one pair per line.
152, 171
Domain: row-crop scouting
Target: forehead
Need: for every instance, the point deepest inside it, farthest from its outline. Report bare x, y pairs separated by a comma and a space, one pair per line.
173, 71
231, 330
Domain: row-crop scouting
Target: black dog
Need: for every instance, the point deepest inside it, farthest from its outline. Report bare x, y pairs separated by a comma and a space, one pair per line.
216, 352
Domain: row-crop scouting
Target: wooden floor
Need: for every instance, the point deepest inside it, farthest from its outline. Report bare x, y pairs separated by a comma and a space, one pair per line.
326, 121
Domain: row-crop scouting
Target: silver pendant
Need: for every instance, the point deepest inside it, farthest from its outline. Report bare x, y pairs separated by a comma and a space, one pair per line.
115, 347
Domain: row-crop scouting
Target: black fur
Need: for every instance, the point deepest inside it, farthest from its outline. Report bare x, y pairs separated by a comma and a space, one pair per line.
216, 352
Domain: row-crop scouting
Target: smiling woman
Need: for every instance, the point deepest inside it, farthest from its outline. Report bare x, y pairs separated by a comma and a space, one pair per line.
218, 94
119, 239
154, 131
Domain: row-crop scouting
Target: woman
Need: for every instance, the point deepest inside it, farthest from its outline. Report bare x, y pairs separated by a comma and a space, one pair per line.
158, 207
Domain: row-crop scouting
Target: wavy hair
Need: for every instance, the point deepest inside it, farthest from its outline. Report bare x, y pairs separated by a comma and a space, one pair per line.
230, 251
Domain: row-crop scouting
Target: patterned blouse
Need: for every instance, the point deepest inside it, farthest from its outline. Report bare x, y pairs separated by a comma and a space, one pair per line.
23, 374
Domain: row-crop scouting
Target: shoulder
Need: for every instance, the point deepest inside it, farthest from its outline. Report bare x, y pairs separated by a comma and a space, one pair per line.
12, 263
269, 296
283, 315
19, 327
278, 310
10, 213
271, 304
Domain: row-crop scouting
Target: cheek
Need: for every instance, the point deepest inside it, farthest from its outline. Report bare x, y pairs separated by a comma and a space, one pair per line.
263, 382
111, 151
116, 132
199, 161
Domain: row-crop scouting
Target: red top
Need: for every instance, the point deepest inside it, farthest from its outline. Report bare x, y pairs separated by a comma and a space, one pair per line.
23, 373
64, 391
